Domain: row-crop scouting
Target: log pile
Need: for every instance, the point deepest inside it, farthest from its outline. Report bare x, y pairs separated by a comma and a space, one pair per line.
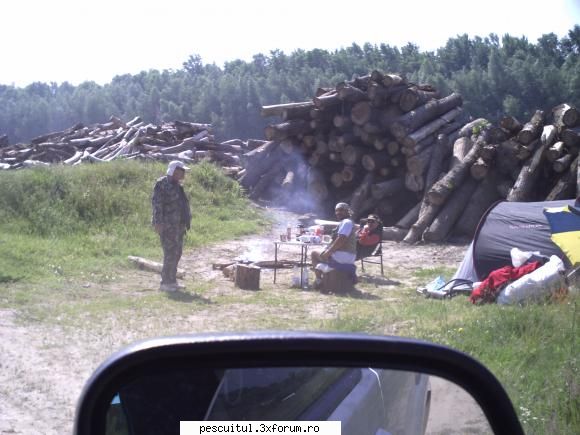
411, 155
178, 140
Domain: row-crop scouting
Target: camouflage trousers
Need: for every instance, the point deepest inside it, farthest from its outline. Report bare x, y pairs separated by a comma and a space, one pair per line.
172, 243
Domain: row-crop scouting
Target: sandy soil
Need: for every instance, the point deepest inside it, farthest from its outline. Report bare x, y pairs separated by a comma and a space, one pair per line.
43, 367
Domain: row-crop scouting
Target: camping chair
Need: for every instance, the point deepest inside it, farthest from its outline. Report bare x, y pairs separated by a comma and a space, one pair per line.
376, 257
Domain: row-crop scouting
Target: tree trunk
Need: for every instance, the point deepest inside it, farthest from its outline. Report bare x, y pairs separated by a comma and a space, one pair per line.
288, 110
414, 183
387, 188
152, 266
442, 224
375, 161
549, 134
444, 187
326, 100
479, 169
351, 155
511, 124
524, 186
440, 153
362, 112
410, 217
394, 234
532, 129
428, 213
413, 120
555, 151
468, 129
571, 136
563, 163
361, 193
414, 97
460, 149
568, 185
565, 116
350, 93
247, 277
483, 197
432, 127
417, 165
266, 180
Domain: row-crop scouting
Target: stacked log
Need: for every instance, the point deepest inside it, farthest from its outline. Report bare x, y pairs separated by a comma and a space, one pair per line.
178, 140
411, 155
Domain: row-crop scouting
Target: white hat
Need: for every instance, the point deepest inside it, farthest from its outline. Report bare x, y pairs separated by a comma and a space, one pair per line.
173, 165
342, 206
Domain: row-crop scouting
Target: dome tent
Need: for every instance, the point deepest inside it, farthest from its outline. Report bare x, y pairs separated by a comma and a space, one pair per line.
506, 225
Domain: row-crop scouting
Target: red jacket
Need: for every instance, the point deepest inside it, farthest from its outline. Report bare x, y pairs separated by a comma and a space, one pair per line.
367, 238
489, 288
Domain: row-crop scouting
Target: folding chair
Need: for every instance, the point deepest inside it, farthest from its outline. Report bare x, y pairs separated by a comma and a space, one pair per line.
376, 257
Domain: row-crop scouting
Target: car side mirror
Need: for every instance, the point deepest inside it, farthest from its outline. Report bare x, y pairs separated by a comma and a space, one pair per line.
372, 385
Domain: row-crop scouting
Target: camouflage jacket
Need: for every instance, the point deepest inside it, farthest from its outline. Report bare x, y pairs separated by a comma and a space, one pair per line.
169, 203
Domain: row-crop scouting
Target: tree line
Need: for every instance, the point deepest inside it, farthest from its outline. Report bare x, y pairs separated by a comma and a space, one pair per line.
496, 76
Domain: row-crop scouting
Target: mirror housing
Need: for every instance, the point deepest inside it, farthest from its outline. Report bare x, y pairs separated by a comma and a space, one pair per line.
298, 349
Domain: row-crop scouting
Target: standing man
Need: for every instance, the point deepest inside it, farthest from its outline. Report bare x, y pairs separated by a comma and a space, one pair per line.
171, 219
341, 253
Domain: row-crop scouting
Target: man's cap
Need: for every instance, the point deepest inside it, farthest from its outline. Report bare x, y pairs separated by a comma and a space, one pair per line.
342, 206
373, 217
173, 165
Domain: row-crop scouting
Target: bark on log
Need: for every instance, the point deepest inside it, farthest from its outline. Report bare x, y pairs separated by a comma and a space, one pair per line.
417, 165
416, 118
511, 124
351, 155
568, 185
152, 266
555, 151
414, 183
440, 152
247, 277
563, 163
571, 136
414, 97
394, 234
410, 217
432, 127
532, 129
460, 149
444, 187
285, 129
483, 197
565, 116
327, 100
428, 213
524, 186
350, 93
361, 193
468, 129
373, 162
387, 188
479, 169
549, 134
442, 224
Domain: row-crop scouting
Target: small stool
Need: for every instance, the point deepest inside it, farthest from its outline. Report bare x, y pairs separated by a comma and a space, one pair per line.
336, 281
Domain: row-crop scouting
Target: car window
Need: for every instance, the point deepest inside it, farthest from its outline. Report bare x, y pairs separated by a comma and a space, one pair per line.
281, 393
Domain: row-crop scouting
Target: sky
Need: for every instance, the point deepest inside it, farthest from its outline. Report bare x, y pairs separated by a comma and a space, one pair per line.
89, 40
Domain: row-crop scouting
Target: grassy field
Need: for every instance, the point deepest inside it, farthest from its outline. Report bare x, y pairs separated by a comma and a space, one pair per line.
63, 227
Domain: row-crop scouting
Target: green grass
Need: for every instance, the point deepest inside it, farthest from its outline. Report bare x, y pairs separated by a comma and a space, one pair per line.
58, 221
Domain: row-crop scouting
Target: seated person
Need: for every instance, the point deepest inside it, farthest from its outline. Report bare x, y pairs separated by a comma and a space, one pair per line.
341, 252
368, 236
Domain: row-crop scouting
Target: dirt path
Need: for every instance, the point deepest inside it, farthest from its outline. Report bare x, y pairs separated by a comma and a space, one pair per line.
43, 366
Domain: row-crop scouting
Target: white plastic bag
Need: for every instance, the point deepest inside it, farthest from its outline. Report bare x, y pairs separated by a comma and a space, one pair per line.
519, 257
536, 285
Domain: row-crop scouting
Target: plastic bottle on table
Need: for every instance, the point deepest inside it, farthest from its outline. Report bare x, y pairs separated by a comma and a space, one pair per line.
289, 232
